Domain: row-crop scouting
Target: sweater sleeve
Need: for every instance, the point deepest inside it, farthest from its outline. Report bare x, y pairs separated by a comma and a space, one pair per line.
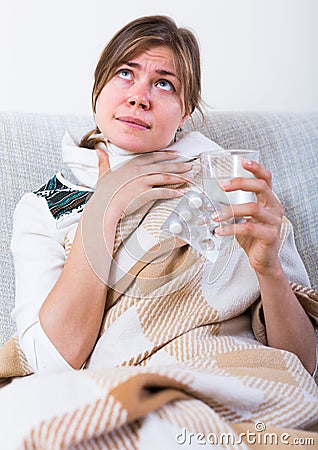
39, 256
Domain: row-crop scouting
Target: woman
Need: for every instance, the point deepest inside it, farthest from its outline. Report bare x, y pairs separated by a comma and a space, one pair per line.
147, 84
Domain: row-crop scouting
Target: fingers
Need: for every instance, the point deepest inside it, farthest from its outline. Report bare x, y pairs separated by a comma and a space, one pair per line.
170, 167
158, 194
155, 162
133, 193
159, 162
260, 184
258, 171
256, 222
170, 174
156, 165
266, 233
146, 182
258, 231
260, 187
151, 194
248, 210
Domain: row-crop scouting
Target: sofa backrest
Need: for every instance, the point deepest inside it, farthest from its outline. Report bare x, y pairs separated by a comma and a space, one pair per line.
288, 142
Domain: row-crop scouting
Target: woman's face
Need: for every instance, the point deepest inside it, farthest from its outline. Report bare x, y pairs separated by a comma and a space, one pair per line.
141, 106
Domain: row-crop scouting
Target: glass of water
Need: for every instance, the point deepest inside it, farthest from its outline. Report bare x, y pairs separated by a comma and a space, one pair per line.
219, 167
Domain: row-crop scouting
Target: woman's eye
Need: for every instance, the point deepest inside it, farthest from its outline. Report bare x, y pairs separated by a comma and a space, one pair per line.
166, 85
126, 74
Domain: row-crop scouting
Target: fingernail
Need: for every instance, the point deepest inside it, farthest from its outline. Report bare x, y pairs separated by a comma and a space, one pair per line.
218, 231
216, 216
225, 184
248, 162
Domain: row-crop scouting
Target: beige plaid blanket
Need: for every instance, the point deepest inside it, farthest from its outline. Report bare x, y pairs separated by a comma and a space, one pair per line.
181, 362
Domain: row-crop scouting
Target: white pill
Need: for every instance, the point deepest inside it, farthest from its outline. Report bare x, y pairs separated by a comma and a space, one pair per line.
186, 215
195, 202
207, 244
175, 228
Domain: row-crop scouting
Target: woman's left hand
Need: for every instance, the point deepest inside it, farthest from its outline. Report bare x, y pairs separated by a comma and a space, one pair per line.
259, 234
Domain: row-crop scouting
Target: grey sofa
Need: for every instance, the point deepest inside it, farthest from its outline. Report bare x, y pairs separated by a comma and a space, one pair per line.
30, 154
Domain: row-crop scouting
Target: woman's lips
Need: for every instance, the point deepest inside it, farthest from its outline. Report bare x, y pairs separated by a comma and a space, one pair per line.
133, 122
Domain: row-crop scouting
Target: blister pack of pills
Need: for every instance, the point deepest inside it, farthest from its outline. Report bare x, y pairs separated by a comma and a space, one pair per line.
191, 221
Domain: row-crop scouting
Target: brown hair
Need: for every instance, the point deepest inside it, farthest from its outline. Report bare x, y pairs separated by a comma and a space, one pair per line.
140, 35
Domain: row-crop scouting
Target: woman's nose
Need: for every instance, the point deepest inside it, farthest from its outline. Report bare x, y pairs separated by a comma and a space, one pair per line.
139, 98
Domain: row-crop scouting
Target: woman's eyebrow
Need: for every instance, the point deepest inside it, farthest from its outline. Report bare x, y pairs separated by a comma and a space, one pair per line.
161, 72
167, 72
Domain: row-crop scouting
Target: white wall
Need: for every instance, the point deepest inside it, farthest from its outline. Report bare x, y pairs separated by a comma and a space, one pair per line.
256, 54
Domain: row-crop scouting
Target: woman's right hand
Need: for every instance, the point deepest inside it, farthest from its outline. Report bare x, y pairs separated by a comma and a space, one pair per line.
147, 177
